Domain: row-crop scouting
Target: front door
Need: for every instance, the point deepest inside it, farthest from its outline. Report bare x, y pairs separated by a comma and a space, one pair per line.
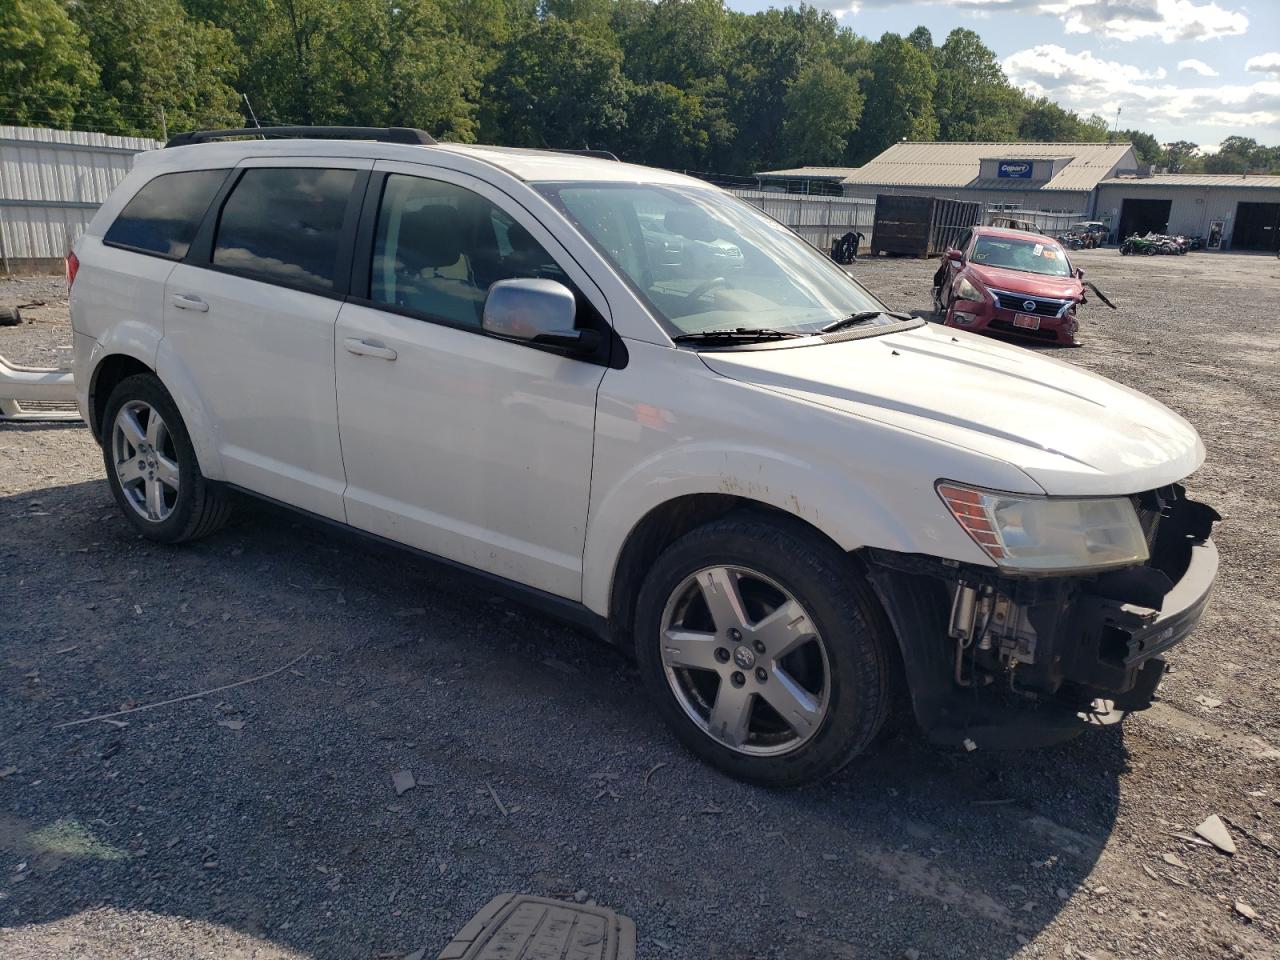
461, 444
250, 324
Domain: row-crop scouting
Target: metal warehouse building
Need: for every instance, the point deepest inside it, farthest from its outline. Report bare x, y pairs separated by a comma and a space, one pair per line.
1229, 211
1087, 181
1033, 176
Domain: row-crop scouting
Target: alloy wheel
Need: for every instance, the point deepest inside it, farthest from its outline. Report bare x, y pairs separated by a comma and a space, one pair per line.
145, 461
745, 661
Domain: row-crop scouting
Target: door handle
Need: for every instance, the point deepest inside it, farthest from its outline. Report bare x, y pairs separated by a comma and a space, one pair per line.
187, 301
369, 348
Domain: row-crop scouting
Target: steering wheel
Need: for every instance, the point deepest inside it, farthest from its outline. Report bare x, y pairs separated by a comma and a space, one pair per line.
703, 287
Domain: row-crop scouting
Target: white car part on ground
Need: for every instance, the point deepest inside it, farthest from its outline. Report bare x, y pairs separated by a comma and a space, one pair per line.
36, 393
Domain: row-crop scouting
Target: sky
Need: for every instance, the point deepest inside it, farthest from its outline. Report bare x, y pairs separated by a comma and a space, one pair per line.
1197, 70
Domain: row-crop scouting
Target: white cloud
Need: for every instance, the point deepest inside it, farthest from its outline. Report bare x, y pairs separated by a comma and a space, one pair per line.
1197, 66
1091, 84
1264, 63
1167, 20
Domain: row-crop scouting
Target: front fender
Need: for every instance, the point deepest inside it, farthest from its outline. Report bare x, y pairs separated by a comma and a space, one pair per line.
860, 482
819, 494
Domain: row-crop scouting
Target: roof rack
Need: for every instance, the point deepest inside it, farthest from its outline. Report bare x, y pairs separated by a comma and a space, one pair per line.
598, 154
382, 134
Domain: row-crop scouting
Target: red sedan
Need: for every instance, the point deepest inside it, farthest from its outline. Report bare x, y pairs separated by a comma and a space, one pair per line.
1011, 283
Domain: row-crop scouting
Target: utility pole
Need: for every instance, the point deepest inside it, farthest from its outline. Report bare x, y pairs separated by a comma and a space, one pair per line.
1115, 128
164, 124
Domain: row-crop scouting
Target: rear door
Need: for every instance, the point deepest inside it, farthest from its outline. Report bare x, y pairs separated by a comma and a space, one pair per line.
464, 445
250, 316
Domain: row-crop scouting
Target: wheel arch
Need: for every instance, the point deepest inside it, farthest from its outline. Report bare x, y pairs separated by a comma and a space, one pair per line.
107, 373
113, 362
661, 526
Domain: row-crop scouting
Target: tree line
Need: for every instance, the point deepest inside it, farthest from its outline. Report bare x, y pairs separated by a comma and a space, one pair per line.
686, 84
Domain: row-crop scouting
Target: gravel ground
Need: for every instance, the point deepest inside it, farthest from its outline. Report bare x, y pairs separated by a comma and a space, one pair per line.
262, 821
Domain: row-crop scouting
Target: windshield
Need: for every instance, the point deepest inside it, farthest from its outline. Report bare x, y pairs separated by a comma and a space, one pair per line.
1014, 253
704, 260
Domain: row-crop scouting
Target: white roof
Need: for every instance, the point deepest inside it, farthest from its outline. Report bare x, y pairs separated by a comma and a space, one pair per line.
939, 164
523, 163
1256, 181
811, 173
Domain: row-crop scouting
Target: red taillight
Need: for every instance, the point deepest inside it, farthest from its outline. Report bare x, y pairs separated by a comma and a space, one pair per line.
73, 266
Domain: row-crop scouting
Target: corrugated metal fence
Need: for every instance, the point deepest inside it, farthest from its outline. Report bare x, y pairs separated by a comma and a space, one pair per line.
51, 182
819, 220
1048, 222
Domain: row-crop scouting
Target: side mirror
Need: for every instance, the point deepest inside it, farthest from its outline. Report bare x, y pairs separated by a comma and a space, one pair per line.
955, 255
1078, 273
537, 311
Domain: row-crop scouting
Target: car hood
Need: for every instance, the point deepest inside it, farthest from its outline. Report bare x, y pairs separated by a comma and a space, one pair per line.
1071, 431
1032, 284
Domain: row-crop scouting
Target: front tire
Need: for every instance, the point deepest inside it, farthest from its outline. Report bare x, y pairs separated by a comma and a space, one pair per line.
764, 649
152, 468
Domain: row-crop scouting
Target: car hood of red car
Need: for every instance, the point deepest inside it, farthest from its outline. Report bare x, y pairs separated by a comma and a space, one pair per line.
1032, 284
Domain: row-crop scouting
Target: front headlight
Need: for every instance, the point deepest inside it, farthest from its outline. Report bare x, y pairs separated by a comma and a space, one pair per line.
966, 290
1048, 534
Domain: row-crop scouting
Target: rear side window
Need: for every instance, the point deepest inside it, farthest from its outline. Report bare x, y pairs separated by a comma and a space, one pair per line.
162, 218
284, 225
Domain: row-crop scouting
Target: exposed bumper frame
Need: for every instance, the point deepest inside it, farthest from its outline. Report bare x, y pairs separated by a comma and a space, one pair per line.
1100, 639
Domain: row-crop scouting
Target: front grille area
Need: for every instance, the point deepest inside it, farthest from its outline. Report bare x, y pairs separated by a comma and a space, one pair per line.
1014, 301
1005, 327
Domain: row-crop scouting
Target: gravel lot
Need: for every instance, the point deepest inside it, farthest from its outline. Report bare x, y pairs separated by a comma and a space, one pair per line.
262, 821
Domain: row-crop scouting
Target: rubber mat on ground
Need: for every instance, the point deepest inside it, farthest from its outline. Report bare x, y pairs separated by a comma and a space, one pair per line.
517, 927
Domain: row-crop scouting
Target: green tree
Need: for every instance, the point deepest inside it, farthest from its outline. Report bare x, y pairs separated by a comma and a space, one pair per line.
399, 65
899, 97
1238, 154
823, 105
772, 48
973, 99
666, 126
47, 75
1045, 122
921, 39
557, 85
674, 55
153, 57
1181, 156
1145, 146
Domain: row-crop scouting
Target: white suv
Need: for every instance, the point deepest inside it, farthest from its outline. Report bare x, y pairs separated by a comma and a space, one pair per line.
797, 508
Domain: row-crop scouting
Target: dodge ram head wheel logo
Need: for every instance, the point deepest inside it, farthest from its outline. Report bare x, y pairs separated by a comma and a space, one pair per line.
744, 657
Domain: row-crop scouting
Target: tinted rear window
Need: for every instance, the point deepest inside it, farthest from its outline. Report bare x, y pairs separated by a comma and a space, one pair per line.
163, 216
284, 225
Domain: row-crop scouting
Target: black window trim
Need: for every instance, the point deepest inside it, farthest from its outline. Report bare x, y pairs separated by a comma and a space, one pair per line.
612, 351
117, 245
200, 253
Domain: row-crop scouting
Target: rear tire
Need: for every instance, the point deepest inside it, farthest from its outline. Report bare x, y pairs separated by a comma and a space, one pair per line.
151, 465
764, 649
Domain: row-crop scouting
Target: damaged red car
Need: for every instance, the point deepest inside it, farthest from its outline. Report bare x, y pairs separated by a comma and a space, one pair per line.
1011, 283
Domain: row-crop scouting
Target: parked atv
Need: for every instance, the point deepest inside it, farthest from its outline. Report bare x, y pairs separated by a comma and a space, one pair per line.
1134, 244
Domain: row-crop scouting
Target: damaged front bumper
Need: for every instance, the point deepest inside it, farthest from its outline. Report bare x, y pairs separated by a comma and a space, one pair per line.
995, 660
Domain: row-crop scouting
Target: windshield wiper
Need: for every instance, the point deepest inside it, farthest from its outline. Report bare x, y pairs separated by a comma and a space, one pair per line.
739, 335
862, 317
